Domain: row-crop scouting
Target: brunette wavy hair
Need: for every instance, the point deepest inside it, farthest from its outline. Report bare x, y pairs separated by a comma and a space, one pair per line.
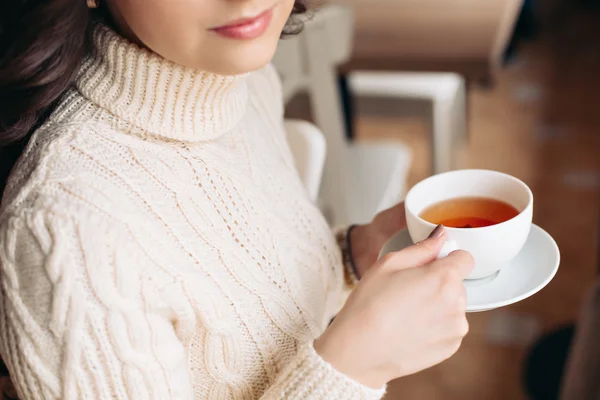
42, 44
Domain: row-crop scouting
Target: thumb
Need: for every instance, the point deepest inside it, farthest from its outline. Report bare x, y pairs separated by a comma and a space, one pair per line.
421, 253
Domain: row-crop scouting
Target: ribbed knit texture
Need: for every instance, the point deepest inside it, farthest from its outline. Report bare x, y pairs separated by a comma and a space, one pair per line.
157, 243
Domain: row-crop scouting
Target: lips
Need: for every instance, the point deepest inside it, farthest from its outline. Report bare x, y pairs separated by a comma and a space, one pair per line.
246, 29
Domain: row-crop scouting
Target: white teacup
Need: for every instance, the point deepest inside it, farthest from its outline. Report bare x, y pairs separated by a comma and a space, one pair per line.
492, 247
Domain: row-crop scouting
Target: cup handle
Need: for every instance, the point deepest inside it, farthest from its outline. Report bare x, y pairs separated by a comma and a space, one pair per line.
447, 248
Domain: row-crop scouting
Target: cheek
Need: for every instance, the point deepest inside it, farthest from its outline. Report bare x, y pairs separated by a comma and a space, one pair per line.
171, 28
281, 17
287, 6
174, 12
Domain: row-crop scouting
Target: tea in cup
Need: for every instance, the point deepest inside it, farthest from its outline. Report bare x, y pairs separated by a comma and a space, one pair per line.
485, 213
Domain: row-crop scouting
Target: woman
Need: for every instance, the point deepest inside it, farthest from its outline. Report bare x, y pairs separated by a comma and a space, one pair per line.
156, 240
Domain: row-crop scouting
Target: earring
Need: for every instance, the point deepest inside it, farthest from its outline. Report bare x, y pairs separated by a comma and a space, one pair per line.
93, 3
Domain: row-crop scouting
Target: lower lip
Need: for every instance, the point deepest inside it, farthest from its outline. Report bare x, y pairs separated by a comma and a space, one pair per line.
248, 30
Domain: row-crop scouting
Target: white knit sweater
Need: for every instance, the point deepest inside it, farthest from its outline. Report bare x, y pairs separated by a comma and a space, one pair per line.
157, 243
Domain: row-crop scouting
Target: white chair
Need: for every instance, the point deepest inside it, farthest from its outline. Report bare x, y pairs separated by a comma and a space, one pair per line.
474, 31
379, 178
308, 148
328, 43
288, 60
446, 92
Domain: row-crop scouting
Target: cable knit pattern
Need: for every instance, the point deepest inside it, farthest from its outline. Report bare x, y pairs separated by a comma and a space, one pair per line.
157, 243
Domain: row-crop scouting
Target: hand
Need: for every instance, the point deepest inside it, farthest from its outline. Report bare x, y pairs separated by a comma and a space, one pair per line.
367, 240
407, 314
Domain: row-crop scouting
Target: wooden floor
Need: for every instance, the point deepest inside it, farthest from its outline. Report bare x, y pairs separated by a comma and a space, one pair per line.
541, 123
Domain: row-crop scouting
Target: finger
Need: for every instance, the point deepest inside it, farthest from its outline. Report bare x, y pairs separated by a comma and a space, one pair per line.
421, 253
461, 261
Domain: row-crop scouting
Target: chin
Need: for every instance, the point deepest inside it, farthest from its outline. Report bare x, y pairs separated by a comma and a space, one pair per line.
246, 57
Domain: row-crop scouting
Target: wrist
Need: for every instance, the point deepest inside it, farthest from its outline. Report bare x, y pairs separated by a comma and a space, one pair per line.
365, 243
358, 238
342, 358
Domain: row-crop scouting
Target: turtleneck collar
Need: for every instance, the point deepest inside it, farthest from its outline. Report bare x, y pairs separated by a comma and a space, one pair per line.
160, 97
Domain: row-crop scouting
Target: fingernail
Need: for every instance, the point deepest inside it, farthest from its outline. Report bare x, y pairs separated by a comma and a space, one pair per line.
437, 232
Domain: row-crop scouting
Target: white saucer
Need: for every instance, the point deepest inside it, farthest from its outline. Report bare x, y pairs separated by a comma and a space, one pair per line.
527, 274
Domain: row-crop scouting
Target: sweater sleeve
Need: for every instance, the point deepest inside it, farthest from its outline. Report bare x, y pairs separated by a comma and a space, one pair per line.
310, 377
81, 319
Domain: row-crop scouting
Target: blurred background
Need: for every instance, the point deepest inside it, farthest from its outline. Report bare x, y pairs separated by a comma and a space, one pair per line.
425, 86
